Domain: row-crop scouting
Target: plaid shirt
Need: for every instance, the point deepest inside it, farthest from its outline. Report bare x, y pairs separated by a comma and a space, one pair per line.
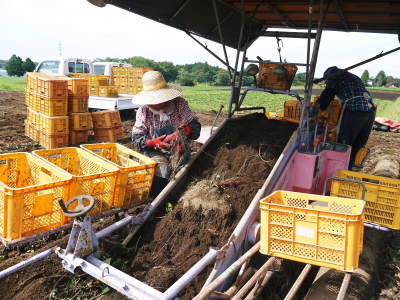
147, 122
351, 90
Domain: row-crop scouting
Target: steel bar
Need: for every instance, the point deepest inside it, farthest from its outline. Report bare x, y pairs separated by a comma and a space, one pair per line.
187, 278
341, 14
25, 263
299, 281
234, 92
223, 20
275, 62
360, 64
221, 37
227, 273
115, 226
125, 284
252, 281
208, 50
178, 11
344, 286
288, 34
278, 12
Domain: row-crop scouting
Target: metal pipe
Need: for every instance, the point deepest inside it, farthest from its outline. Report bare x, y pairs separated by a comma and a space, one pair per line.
174, 289
274, 62
115, 226
344, 286
25, 263
359, 64
221, 36
234, 93
296, 285
208, 50
227, 273
250, 283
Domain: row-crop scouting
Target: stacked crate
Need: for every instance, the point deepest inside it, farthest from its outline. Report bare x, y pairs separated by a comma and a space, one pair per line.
107, 126
79, 116
128, 79
97, 82
47, 101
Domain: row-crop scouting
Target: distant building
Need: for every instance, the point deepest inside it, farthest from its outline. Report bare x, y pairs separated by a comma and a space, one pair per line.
3, 72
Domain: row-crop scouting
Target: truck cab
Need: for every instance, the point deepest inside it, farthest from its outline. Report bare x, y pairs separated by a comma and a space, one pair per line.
105, 67
65, 66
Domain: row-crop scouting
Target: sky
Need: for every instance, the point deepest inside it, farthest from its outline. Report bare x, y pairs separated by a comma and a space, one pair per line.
36, 28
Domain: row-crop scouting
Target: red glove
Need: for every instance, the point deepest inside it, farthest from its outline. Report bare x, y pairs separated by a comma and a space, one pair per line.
157, 143
186, 129
170, 137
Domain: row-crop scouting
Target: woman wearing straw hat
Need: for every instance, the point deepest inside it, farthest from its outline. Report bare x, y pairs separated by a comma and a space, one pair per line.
163, 117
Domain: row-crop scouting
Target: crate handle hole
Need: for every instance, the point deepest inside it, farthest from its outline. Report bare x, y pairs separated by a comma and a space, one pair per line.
371, 180
318, 203
45, 171
3, 162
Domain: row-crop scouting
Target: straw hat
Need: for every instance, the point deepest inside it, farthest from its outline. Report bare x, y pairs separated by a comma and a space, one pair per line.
156, 90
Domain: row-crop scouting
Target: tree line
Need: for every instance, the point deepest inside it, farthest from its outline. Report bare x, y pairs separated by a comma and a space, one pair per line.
380, 80
186, 75
15, 66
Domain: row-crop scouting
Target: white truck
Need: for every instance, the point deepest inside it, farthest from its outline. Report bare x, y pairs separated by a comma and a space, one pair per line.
66, 66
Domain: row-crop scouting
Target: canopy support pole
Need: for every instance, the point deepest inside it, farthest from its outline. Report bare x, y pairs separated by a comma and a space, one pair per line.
209, 51
221, 37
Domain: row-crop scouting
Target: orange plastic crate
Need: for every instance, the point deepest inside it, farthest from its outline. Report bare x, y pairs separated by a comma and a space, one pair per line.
53, 125
136, 172
77, 137
106, 119
29, 189
108, 91
78, 87
80, 121
53, 141
91, 175
78, 104
108, 134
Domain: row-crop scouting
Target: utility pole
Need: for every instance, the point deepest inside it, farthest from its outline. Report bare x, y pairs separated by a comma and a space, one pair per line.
59, 49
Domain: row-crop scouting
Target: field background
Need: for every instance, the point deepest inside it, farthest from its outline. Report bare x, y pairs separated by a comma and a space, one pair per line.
205, 98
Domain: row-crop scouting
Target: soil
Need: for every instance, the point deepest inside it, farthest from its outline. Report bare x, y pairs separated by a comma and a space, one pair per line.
206, 213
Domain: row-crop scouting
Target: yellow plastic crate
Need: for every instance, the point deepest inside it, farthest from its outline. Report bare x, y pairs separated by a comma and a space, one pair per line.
77, 137
108, 91
319, 230
80, 121
50, 107
78, 104
78, 87
106, 119
136, 172
382, 196
91, 175
53, 125
113, 134
52, 141
29, 189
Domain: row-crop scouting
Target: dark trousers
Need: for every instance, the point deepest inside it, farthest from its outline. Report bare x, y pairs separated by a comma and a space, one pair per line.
355, 129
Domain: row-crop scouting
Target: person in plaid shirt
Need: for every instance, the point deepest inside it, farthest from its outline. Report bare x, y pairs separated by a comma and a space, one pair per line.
158, 121
358, 109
